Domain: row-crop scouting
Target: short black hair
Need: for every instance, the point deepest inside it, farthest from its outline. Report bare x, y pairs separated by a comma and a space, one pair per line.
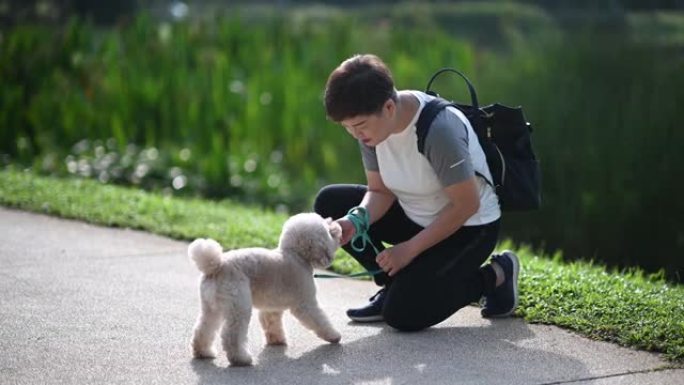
359, 86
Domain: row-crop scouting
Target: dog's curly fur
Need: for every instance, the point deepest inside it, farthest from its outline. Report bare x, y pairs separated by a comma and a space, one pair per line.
269, 280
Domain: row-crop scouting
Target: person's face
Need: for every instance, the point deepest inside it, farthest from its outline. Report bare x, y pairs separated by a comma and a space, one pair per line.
372, 129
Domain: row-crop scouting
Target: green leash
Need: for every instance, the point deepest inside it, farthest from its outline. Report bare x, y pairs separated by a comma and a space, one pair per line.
361, 274
360, 218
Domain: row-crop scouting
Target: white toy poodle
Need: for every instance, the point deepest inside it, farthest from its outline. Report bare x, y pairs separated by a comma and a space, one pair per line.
269, 280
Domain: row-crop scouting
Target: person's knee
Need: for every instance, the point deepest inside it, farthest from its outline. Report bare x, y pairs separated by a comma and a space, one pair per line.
322, 203
404, 322
335, 200
409, 309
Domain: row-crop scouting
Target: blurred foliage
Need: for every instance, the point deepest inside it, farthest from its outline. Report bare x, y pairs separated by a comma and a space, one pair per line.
230, 105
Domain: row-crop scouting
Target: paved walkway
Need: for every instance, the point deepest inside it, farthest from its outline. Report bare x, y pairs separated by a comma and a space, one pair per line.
82, 304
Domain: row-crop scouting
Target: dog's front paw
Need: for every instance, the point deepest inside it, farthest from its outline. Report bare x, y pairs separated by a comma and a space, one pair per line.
204, 354
240, 359
332, 336
275, 339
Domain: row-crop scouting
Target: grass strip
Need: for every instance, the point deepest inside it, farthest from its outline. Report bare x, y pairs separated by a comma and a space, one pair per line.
629, 308
233, 225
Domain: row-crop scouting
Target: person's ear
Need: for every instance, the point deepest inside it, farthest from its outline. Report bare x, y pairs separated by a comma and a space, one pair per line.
390, 108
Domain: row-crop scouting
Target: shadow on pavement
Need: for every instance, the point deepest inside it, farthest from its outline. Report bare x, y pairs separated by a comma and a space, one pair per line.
491, 354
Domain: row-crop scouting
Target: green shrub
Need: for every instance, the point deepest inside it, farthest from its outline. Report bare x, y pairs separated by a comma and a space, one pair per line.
232, 107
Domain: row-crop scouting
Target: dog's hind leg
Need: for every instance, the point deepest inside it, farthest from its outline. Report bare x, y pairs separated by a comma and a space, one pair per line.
313, 318
272, 323
238, 311
205, 329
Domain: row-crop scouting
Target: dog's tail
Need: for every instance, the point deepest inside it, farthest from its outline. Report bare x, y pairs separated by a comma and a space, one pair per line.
206, 253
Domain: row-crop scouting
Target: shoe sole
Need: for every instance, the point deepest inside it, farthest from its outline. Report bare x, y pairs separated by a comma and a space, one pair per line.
372, 318
516, 270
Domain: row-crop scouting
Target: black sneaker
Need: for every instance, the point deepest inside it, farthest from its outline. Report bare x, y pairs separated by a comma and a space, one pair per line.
503, 301
371, 312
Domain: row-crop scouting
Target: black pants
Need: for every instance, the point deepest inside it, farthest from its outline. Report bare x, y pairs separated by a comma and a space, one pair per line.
439, 281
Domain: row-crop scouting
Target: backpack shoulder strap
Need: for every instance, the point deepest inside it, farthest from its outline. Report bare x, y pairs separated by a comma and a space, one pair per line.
427, 115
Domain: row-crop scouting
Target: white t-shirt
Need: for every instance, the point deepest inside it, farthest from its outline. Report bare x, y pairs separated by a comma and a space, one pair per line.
452, 154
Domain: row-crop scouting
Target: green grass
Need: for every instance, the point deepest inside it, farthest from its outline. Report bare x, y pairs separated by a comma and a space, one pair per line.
628, 308
230, 106
233, 225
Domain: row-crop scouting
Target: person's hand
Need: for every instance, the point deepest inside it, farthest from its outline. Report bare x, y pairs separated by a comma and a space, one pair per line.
348, 230
393, 259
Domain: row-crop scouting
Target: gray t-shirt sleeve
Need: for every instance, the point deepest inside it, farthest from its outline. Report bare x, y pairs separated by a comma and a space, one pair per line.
370, 160
446, 148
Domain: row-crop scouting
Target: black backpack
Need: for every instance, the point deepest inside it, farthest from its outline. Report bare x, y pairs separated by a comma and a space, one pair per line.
504, 135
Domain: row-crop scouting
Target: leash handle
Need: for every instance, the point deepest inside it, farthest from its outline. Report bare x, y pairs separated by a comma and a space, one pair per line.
360, 218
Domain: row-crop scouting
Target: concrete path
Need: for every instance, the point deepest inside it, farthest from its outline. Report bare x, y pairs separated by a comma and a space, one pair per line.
82, 304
